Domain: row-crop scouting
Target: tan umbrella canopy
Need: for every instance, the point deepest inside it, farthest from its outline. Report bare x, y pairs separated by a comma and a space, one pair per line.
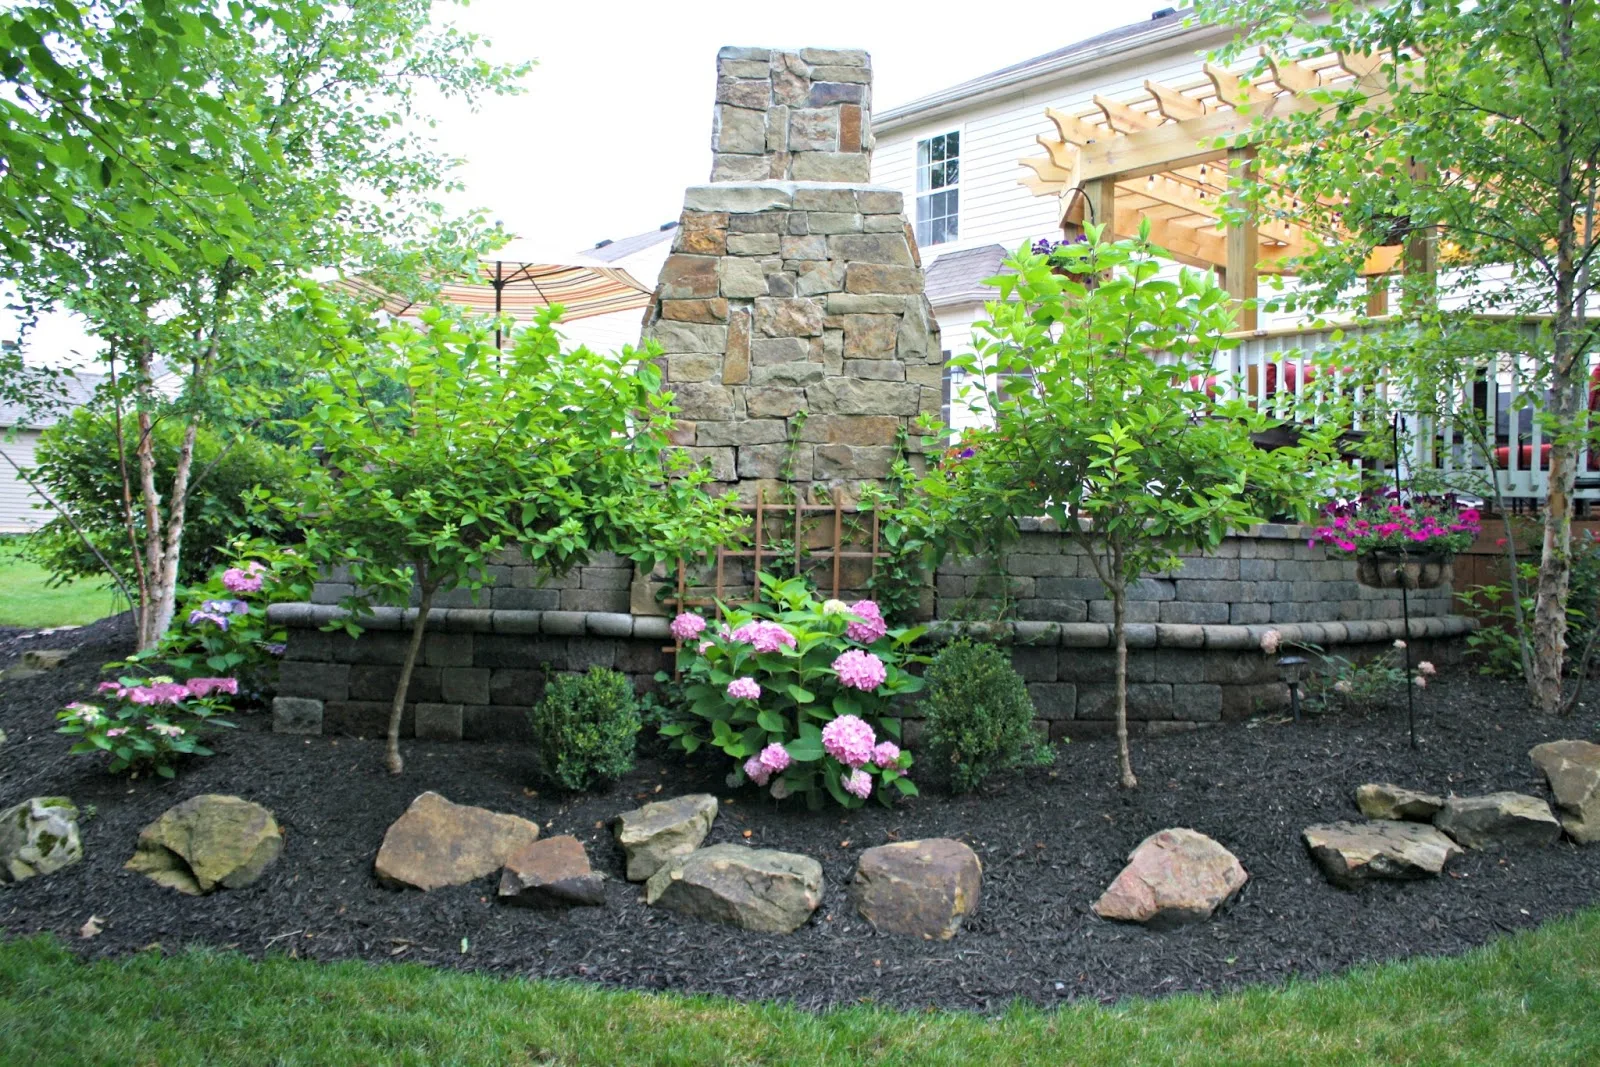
519, 282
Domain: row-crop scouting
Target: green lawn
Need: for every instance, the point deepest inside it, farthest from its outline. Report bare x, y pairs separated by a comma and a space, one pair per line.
1528, 999
25, 600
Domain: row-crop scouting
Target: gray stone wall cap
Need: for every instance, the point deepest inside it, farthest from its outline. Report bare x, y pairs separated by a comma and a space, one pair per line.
610, 624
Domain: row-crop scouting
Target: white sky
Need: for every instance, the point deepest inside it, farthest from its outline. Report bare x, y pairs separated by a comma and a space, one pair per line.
616, 120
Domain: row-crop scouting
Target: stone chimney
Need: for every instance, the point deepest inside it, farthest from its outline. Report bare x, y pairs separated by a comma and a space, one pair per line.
791, 313
801, 116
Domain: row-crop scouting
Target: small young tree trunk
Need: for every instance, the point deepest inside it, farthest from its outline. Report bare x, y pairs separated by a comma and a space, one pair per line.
392, 754
1119, 601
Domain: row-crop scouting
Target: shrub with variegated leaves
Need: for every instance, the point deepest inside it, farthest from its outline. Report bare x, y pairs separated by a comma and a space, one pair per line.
798, 693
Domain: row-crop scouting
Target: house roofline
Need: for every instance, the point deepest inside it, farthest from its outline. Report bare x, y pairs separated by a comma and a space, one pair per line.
1090, 55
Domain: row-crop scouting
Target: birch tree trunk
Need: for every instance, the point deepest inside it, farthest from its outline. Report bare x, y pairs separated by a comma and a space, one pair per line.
392, 754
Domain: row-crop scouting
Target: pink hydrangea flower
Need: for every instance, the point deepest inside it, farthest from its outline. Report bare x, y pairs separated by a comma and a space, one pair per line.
236, 580
1420, 682
860, 670
1270, 642
857, 783
85, 713
202, 687
886, 754
1398, 643
744, 689
757, 771
116, 731
1343, 686
871, 627
849, 740
775, 758
110, 687
158, 693
764, 636
687, 626
1425, 667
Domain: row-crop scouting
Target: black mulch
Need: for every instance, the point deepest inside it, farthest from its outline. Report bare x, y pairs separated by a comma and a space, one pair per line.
1050, 843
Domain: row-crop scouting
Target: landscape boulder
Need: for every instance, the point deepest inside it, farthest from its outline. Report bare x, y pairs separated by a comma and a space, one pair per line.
1175, 876
38, 836
919, 888
1573, 770
1352, 853
1498, 820
46, 659
206, 842
1380, 800
552, 873
654, 835
437, 843
754, 888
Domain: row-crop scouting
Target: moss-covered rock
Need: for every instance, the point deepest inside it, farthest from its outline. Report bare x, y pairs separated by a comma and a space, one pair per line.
38, 836
208, 841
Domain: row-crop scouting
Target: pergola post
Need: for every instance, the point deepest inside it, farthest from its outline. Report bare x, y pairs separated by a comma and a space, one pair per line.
1243, 242
1100, 205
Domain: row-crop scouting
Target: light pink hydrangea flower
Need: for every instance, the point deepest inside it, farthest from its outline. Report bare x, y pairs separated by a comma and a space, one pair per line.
1343, 686
757, 771
203, 687
764, 636
1398, 643
1425, 667
871, 627
857, 783
85, 713
167, 692
860, 670
886, 754
110, 687
849, 740
775, 758
116, 731
687, 626
1270, 642
165, 729
1420, 682
236, 580
744, 689
834, 607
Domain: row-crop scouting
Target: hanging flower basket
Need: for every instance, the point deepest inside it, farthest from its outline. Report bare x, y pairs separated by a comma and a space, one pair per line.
1395, 545
1382, 569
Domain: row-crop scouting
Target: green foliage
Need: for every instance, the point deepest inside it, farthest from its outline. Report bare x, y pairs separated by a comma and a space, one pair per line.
1362, 685
1098, 425
978, 716
801, 689
77, 464
908, 538
147, 722
585, 729
561, 455
1497, 643
1476, 131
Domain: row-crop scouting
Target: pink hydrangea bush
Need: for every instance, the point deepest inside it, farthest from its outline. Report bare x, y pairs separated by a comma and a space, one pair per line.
147, 723
799, 694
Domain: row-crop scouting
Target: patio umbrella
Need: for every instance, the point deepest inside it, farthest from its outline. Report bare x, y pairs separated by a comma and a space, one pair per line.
519, 282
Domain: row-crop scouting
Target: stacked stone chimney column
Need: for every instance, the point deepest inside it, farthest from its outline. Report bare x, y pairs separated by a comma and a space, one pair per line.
791, 314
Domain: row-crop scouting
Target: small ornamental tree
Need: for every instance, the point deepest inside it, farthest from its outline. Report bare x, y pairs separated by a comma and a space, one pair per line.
1104, 419
560, 455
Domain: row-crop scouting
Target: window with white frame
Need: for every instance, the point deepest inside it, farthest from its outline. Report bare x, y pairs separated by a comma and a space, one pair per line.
938, 176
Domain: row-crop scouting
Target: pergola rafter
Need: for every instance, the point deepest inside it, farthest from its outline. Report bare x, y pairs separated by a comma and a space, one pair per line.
1163, 158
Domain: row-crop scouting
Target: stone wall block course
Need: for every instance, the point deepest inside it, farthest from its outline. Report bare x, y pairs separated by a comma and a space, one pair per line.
831, 166
464, 685
880, 278
755, 93
1056, 611
1193, 613
607, 577
1054, 701
322, 681
879, 248
813, 247
794, 317
586, 600
1035, 664
1197, 702
1140, 611
880, 370
830, 73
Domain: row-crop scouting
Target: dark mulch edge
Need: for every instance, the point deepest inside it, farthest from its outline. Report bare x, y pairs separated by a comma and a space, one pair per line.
1050, 843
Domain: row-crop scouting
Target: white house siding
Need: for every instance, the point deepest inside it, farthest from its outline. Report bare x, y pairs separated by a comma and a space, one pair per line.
17, 513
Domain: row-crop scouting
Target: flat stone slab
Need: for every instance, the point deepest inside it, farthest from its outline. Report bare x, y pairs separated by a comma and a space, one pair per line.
1352, 853
757, 889
437, 843
918, 888
1573, 770
660, 832
46, 659
208, 842
1175, 876
38, 836
1381, 800
1499, 820
552, 873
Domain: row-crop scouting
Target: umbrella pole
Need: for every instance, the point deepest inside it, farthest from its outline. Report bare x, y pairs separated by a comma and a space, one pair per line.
499, 286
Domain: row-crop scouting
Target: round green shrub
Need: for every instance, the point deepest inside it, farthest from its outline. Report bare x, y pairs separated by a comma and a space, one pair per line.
978, 715
585, 728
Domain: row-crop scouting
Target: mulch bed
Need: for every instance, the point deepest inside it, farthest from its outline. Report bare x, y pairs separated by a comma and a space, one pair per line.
1050, 842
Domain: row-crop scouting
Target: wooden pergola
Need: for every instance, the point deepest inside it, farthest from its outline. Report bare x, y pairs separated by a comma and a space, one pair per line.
1159, 158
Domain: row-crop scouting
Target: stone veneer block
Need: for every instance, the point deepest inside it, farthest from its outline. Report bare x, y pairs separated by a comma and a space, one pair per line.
296, 715
438, 722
